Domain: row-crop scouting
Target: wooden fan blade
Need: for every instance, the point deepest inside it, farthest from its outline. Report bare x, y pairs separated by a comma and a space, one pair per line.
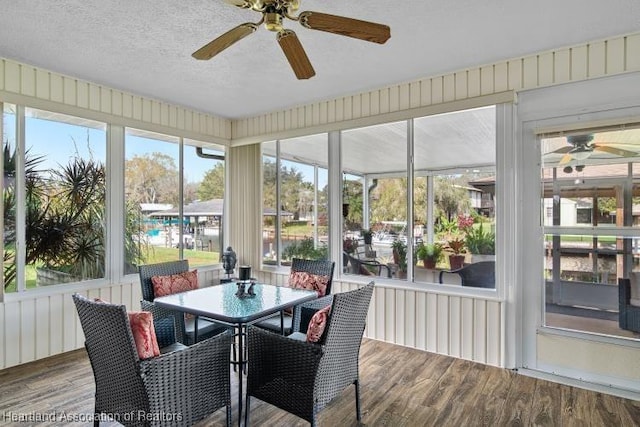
565, 159
616, 151
297, 57
245, 4
216, 46
562, 150
349, 27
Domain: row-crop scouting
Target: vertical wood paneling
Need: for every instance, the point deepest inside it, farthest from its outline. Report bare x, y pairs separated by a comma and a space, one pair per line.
2, 78
42, 84
421, 321
82, 96
494, 333
460, 85
69, 87
501, 77
56, 317
3, 319
467, 333
448, 88
27, 330
530, 72
545, 69
399, 317
384, 101
379, 330
43, 329
436, 90
94, 97
69, 321
632, 55
515, 74
473, 82
579, 65
432, 323
404, 99
486, 80
12, 336
28, 80
116, 103
12, 77
480, 331
374, 102
615, 56
146, 114
56, 88
408, 316
597, 58
443, 324
389, 315
425, 92
356, 105
414, 94
454, 326
394, 99
562, 66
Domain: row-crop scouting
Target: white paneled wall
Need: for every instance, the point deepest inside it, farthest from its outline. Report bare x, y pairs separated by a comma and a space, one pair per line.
592, 60
465, 327
69, 95
38, 326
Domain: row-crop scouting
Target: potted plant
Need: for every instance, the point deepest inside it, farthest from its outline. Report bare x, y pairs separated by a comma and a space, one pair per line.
481, 244
399, 249
430, 254
456, 259
367, 235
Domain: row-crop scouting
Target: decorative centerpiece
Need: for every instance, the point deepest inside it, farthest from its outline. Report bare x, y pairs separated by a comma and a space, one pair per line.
245, 289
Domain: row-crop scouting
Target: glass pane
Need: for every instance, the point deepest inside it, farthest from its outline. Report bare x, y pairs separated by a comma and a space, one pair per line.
454, 196
374, 162
303, 174
269, 205
203, 196
9, 146
589, 182
65, 198
152, 229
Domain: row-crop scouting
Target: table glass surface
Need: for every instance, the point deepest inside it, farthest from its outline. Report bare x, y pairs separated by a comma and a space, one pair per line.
221, 303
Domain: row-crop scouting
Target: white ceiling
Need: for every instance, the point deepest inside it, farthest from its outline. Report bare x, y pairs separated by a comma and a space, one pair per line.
145, 46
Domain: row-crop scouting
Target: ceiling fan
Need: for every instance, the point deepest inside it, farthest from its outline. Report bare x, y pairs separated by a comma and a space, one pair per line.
582, 147
274, 12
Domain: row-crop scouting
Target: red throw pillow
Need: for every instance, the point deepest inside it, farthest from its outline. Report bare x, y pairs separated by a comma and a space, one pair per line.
144, 334
312, 282
317, 324
181, 282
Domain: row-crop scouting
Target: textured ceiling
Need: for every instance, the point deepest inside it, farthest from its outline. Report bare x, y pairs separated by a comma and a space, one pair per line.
145, 46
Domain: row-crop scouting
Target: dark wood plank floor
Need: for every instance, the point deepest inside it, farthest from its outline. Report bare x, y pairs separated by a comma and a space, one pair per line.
399, 387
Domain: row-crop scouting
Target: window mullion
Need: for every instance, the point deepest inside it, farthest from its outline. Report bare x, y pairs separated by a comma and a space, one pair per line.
21, 205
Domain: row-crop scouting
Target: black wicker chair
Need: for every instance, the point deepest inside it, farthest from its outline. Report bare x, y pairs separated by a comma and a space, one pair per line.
318, 267
178, 387
301, 377
365, 267
628, 315
477, 275
184, 327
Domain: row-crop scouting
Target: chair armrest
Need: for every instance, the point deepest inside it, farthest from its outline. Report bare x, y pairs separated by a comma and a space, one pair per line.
162, 313
273, 357
624, 291
315, 304
201, 370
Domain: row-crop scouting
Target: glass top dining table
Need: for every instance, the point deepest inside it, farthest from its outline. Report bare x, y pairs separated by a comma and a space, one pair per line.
221, 303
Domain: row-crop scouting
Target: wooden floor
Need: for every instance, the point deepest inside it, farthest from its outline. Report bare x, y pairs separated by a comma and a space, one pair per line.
399, 387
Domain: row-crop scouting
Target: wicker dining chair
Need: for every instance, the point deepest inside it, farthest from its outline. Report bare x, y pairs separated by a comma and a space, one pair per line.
317, 267
179, 387
301, 377
185, 328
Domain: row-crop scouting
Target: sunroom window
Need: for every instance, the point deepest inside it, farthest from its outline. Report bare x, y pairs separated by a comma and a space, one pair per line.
589, 208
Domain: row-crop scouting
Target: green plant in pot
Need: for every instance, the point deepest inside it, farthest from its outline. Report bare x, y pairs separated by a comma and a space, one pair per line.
367, 235
399, 249
480, 242
430, 254
456, 258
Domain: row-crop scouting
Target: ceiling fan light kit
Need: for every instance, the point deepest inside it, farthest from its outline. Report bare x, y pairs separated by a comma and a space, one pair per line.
274, 13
